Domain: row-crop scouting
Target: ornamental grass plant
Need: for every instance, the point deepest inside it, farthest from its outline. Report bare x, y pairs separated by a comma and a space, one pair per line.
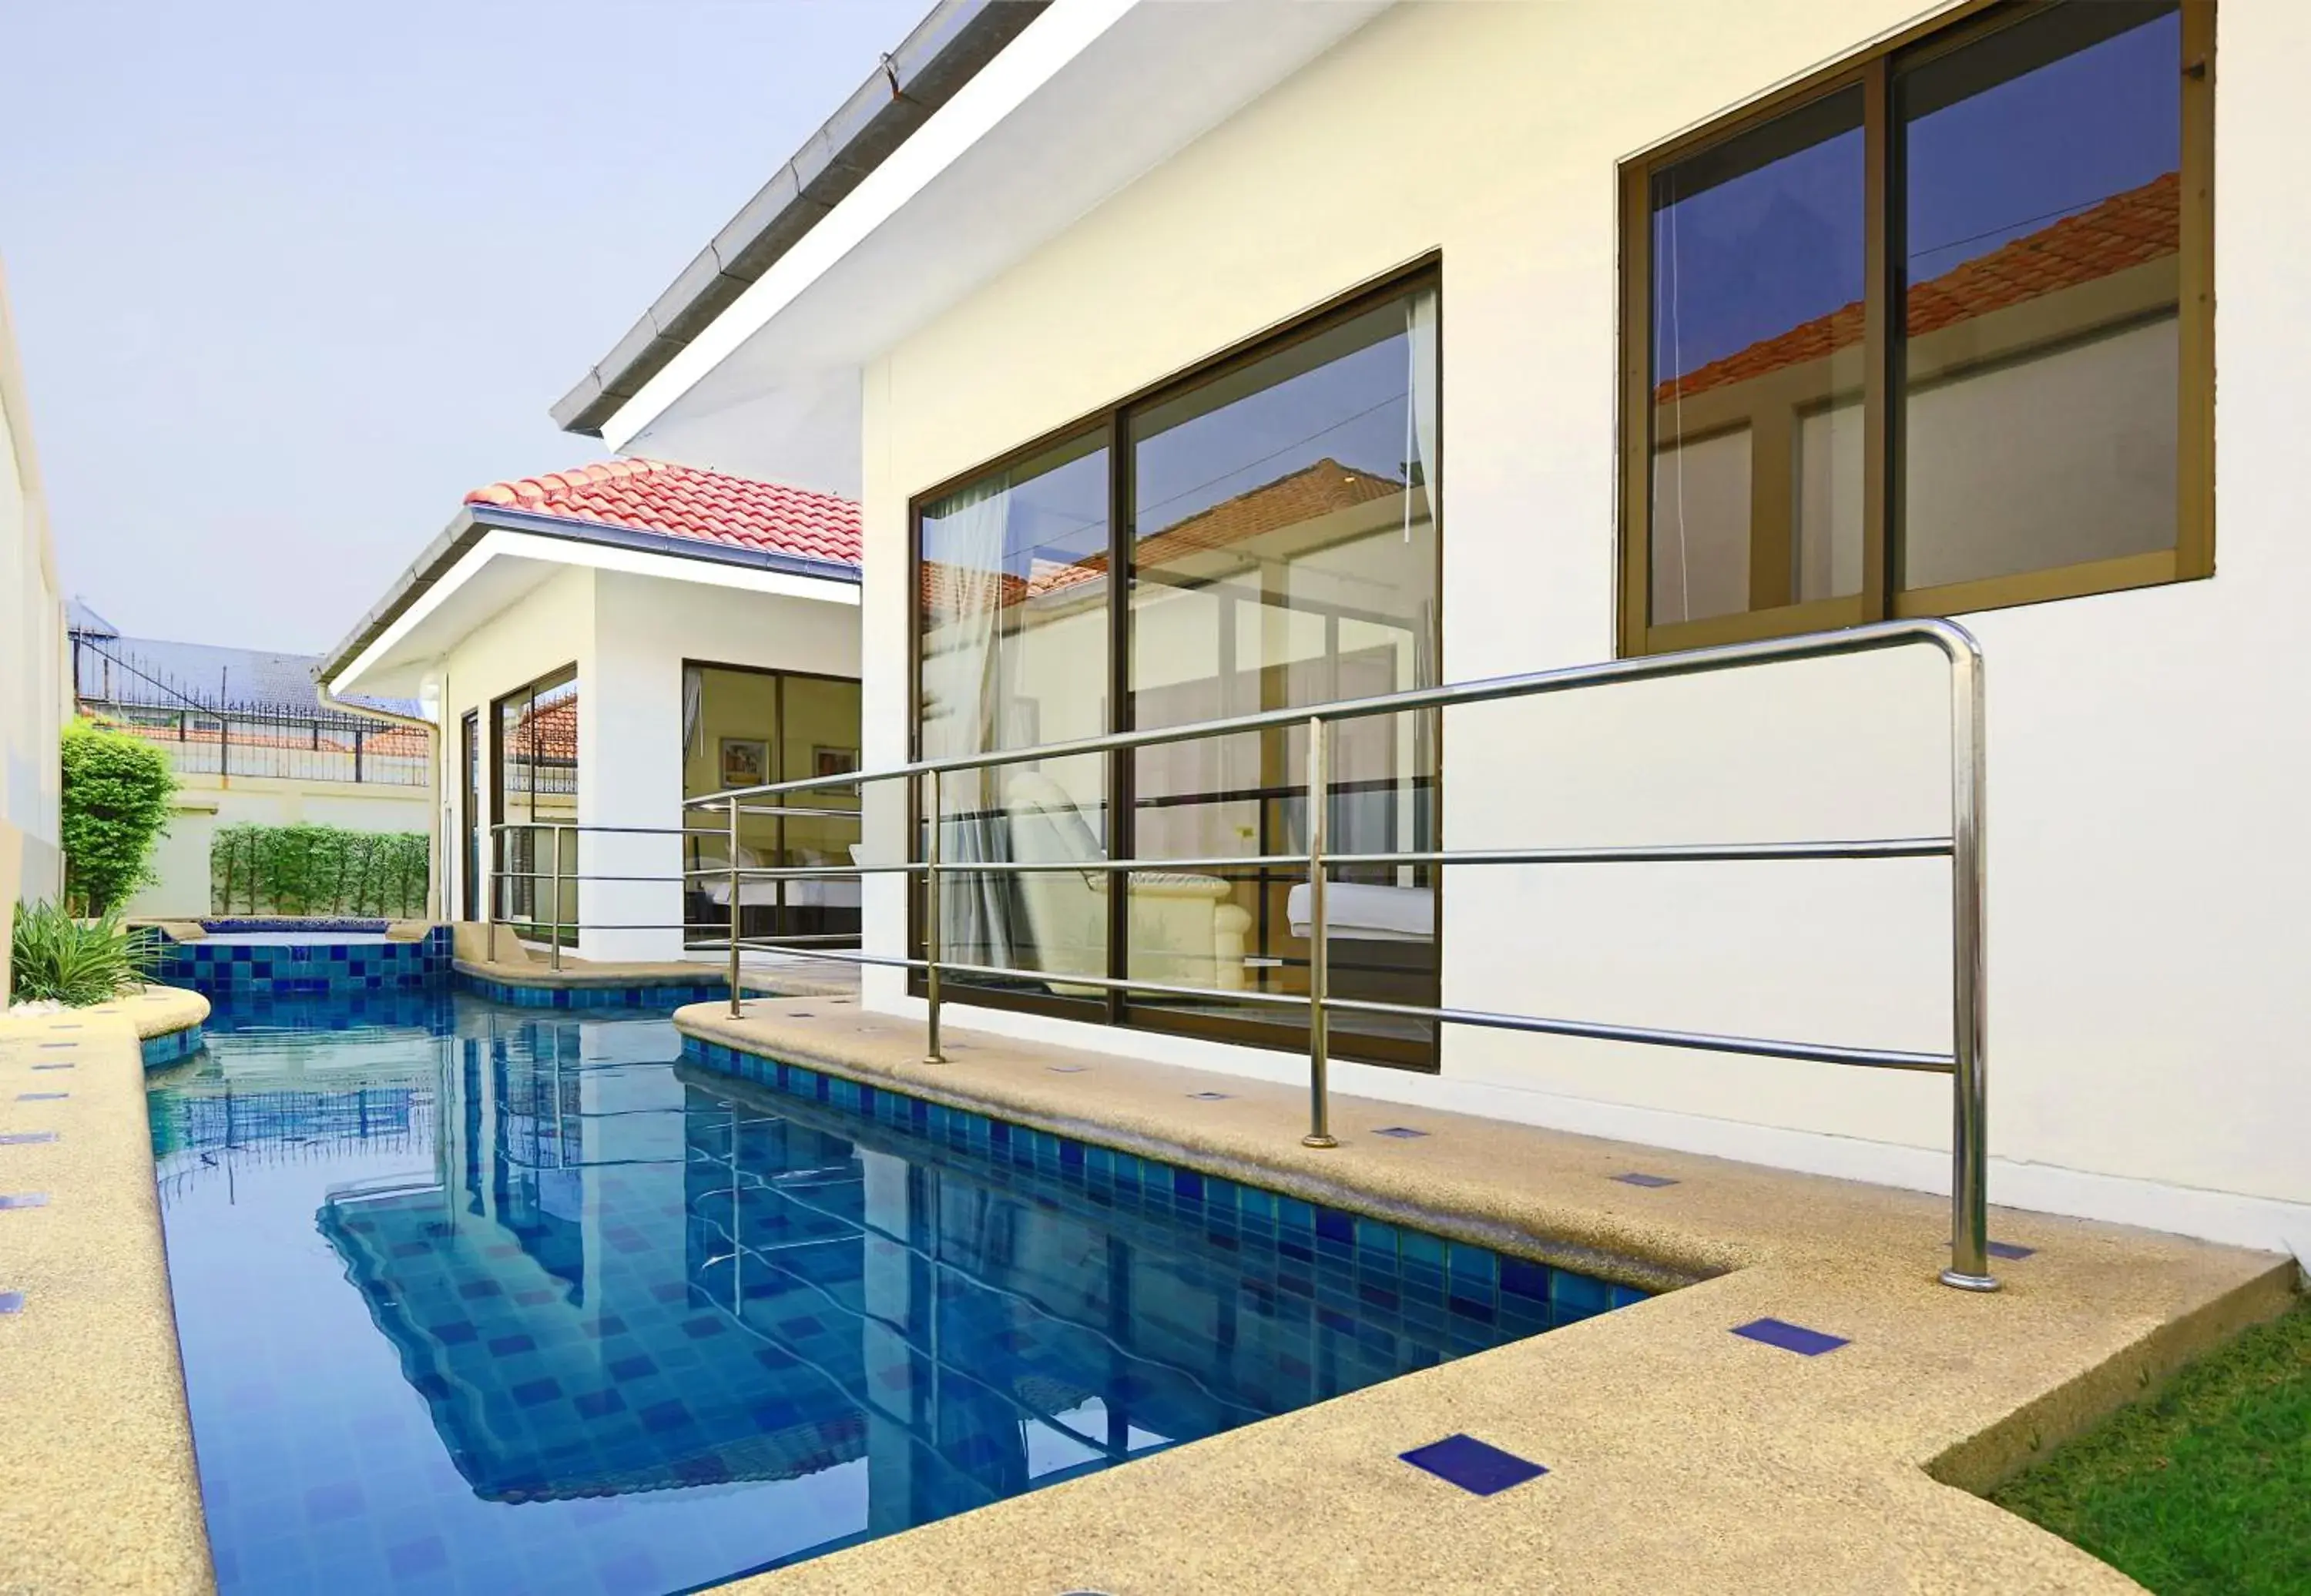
54, 957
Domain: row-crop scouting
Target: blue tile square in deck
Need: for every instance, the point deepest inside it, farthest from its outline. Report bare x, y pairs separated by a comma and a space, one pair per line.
11, 1302
40, 1097
1067, 1069
1479, 1468
16, 1139
1636, 1178
1211, 1096
1790, 1338
2009, 1249
23, 1199
1403, 1132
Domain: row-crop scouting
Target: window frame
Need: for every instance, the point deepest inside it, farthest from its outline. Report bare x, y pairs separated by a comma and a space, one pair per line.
779, 676
560, 675
1873, 72
1110, 425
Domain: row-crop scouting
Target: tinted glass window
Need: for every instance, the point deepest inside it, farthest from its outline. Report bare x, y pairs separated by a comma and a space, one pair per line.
2043, 231
1757, 370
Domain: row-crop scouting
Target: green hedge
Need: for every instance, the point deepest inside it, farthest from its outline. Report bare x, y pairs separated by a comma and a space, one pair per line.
317, 869
116, 807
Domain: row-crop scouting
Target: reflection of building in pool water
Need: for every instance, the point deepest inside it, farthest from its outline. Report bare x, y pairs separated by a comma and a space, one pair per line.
625, 1278
607, 1294
266, 1094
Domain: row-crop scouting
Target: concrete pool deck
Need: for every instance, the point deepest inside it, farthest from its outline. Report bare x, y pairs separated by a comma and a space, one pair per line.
1680, 1456
98, 1491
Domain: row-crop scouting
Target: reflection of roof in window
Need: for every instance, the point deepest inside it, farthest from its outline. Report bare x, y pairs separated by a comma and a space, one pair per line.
1306, 494
2126, 230
549, 729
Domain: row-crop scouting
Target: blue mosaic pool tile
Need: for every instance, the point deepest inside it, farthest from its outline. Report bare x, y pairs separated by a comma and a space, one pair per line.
42, 1096
1636, 1178
1403, 1132
1522, 1277
13, 1138
1475, 1466
1578, 1296
1790, 1337
171, 1044
11, 1302
23, 1199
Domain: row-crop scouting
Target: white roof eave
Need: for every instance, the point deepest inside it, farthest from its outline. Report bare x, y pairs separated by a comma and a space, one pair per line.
1088, 98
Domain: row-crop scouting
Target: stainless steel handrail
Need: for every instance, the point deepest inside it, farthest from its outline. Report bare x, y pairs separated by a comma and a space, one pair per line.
1963, 846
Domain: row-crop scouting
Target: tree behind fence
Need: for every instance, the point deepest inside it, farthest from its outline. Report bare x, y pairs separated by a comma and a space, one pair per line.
317, 869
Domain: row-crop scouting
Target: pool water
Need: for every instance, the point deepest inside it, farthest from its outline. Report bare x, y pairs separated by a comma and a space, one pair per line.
477, 1299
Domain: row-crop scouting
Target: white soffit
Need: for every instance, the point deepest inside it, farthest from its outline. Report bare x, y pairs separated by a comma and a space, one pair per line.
505, 567
1093, 94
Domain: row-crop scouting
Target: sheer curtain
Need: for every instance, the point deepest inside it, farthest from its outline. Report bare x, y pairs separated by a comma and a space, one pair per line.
1420, 335
964, 700
694, 692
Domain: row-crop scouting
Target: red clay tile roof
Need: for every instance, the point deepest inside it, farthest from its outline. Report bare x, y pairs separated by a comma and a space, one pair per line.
684, 501
2128, 229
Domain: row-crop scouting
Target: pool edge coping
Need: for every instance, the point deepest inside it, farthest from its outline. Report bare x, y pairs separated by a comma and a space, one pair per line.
100, 1489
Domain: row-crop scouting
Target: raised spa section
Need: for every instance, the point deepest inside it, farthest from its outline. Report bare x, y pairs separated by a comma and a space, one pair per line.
303, 959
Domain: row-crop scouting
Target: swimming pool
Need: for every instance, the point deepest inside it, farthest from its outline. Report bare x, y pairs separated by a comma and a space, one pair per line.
477, 1298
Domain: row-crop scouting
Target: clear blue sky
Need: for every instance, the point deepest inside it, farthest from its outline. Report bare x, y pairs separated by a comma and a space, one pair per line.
291, 277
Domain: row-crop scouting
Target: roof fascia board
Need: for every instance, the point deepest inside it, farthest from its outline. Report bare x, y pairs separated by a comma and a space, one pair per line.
444, 558
510, 543
940, 55
1041, 52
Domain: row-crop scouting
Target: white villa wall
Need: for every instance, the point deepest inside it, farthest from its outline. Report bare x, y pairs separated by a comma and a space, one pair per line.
547, 628
631, 725
33, 704
2148, 751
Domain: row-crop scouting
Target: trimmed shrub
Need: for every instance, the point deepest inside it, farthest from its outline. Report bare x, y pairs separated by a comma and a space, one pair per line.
53, 955
116, 789
317, 869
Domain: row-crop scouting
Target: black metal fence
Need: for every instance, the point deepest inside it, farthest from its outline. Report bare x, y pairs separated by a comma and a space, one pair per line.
207, 734
262, 740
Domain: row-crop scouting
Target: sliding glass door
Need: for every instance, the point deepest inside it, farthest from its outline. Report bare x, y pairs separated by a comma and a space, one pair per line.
742, 728
535, 729
1276, 518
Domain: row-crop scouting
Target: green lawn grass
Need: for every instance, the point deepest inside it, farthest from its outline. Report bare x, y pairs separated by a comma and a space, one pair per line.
2204, 1491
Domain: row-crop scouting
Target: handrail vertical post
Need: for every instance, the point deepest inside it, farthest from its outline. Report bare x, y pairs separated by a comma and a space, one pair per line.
931, 916
1319, 956
1970, 1268
737, 922
491, 885
553, 941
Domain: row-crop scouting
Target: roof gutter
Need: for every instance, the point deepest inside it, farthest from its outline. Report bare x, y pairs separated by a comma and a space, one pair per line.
472, 522
946, 50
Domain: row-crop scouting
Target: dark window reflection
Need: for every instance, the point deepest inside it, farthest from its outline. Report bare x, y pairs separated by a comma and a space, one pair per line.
1757, 279
2039, 421
536, 791
1284, 546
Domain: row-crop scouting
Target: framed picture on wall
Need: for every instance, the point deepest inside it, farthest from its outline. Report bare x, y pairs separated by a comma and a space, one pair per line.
746, 762
826, 761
